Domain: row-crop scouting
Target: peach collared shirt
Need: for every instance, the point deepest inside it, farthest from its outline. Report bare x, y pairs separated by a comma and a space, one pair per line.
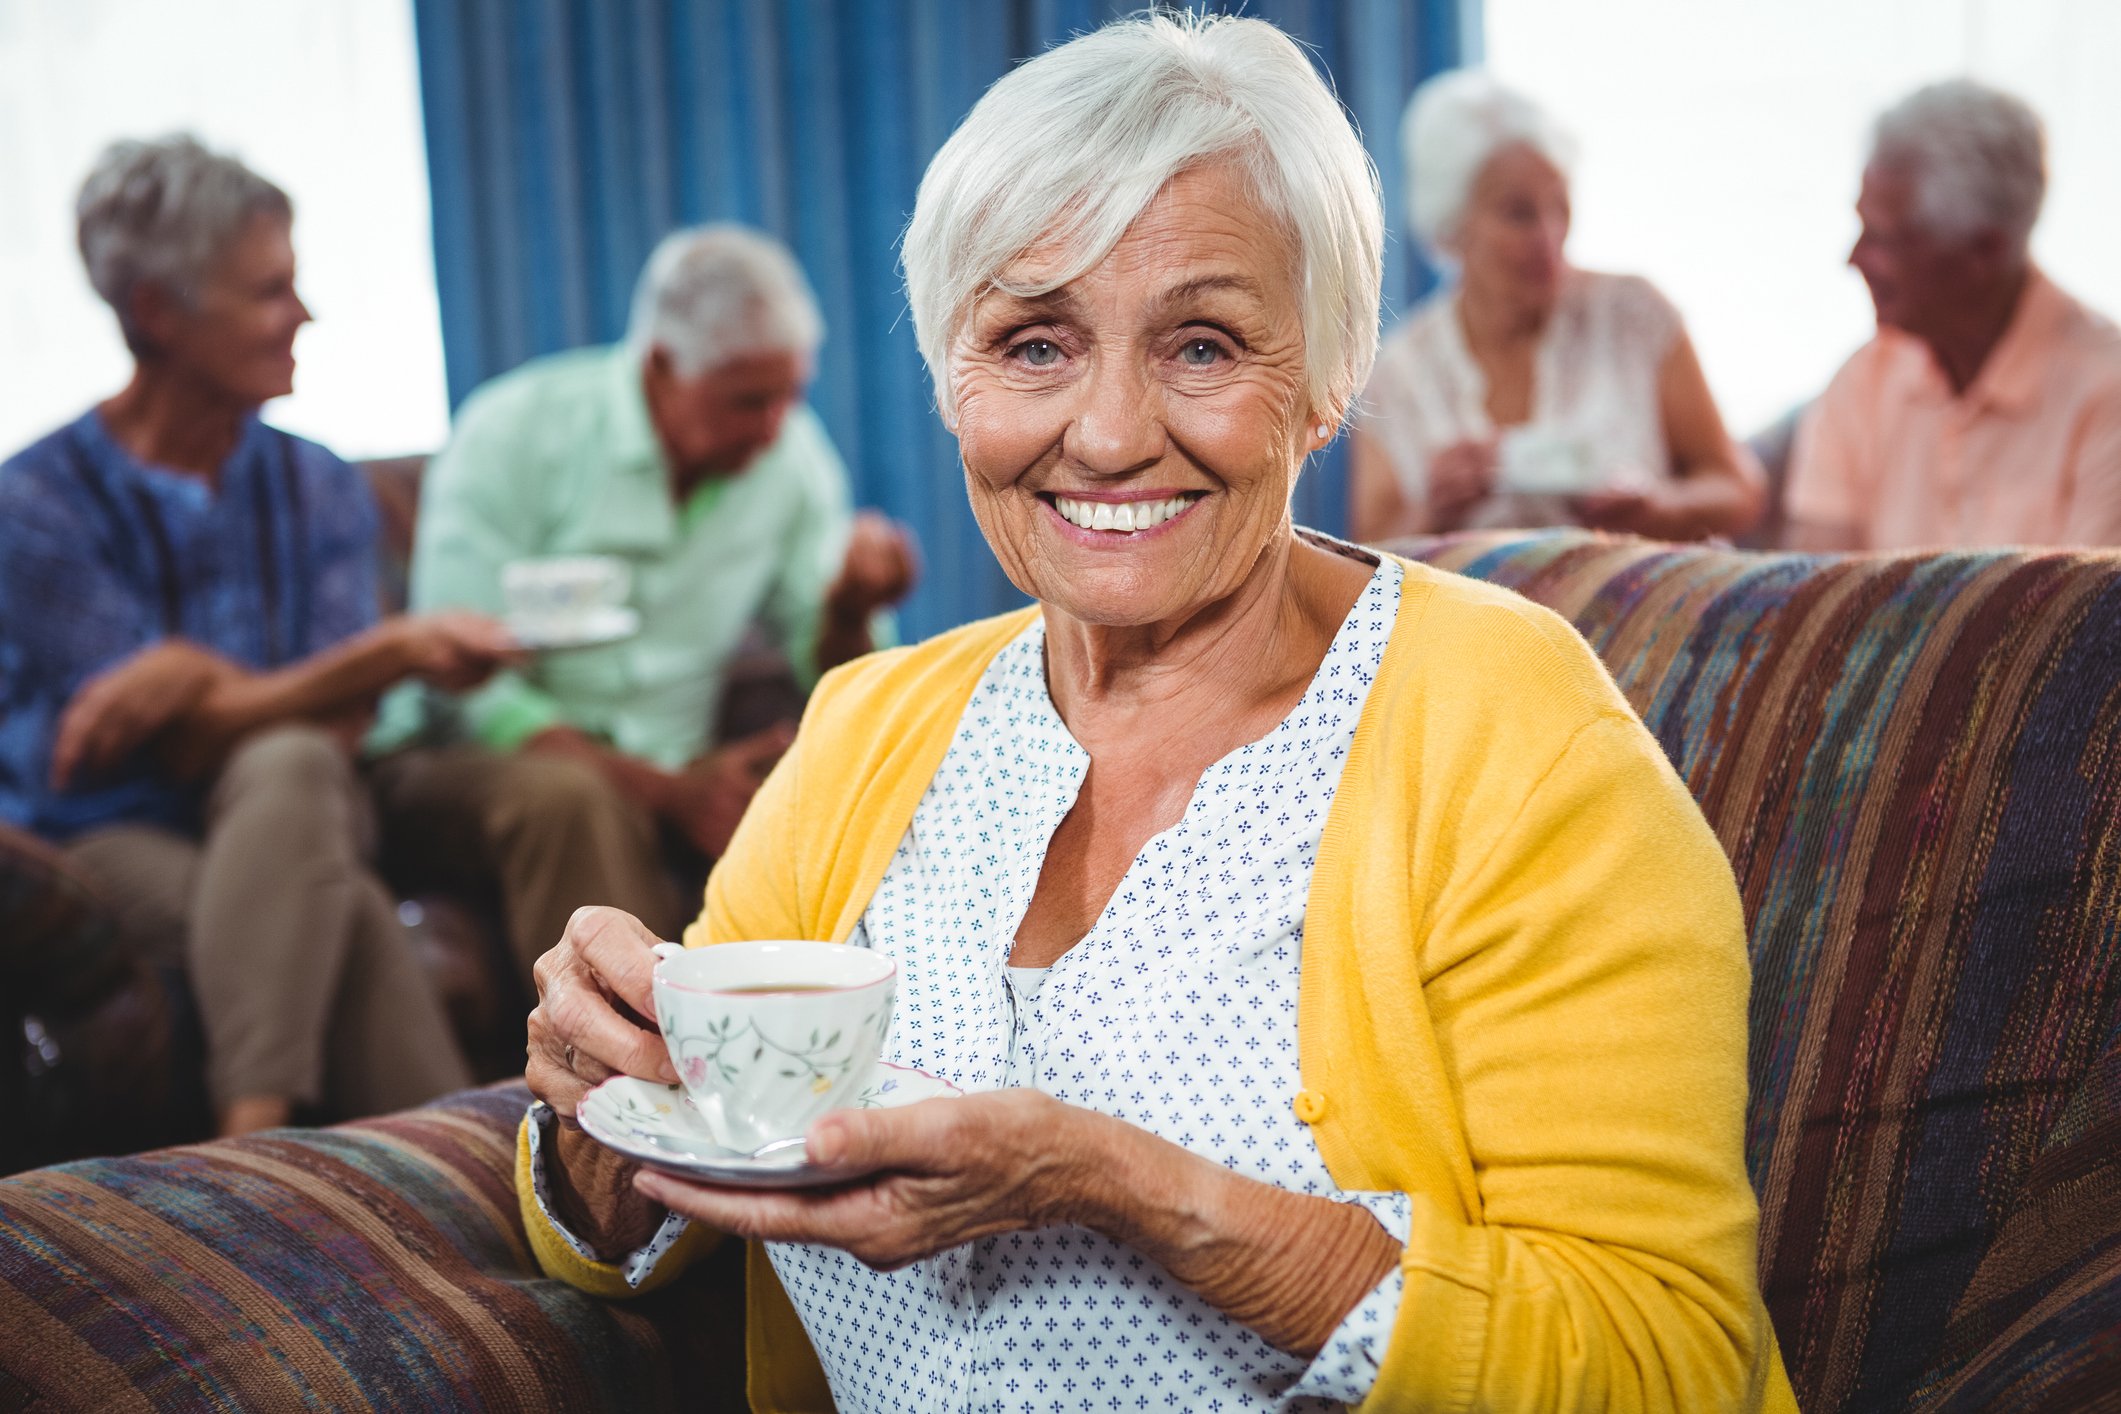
2028, 454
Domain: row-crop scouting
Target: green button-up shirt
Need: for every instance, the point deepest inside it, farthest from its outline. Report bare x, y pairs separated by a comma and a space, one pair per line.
559, 458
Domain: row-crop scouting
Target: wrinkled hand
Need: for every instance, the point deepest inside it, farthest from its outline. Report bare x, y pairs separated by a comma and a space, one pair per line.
594, 989
710, 796
1460, 475
454, 650
120, 708
1645, 511
578, 1037
879, 569
946, 1172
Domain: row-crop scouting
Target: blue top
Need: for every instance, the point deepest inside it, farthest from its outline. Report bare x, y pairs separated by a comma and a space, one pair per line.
102, 555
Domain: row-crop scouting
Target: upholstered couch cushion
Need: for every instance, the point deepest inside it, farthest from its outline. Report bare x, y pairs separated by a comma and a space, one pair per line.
374, 1266
1915, 765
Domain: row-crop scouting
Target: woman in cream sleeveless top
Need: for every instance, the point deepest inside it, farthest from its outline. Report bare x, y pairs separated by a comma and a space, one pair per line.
1528, 392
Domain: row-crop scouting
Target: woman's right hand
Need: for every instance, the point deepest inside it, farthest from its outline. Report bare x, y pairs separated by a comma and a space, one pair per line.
578, 1037
1460, 475
451, 649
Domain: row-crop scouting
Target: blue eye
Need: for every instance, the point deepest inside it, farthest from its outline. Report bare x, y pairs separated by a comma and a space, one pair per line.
1039, 353
1200, 353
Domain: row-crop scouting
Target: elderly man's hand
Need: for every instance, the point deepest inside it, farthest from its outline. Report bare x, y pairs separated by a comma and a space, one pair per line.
707, 799
880, 568
946, 1172
123, 706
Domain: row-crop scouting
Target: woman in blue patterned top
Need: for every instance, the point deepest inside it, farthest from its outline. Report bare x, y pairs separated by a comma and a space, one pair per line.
189, 650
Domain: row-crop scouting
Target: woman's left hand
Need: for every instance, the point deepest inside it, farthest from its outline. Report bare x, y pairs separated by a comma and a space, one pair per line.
947, 1172
1631, 512
942, 1173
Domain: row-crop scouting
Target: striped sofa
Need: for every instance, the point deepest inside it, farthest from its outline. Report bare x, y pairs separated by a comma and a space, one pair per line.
1915, 763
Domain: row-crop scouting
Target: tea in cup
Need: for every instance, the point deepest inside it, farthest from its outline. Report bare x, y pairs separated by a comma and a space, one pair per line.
767, 1036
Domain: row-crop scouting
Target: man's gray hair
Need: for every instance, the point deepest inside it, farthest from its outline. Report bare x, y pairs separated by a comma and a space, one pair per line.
163, 212
1071, 146
1977, 155
1454, 124
714, 293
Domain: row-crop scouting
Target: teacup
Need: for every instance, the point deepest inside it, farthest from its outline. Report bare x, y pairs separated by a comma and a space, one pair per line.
564, 589
1541, 461
767, 1036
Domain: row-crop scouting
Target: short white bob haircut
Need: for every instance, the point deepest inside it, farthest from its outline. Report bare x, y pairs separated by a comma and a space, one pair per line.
714, 293
1071, 146
1978, 158
1454, 125
162, 213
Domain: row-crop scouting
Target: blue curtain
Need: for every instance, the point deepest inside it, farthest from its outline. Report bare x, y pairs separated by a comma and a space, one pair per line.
565, 137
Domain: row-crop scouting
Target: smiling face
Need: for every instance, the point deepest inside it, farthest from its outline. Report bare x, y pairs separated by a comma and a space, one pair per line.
239, 334
1131, 439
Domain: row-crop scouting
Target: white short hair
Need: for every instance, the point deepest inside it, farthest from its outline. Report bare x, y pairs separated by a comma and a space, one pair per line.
1454, 125
714, 293
162, 212
1978, 157
1071, 146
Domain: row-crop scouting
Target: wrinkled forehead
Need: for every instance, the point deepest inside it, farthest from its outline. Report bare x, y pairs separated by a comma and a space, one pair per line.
1887, 194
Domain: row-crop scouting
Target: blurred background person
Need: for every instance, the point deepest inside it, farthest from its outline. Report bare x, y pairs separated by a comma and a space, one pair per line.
1987, 410
189, 648
687, 453
1527, 392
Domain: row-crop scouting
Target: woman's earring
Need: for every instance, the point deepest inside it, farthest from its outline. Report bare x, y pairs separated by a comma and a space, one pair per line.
1324, 432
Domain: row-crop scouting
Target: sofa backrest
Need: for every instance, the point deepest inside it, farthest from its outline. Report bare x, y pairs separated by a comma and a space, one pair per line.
395, 484
1915, 765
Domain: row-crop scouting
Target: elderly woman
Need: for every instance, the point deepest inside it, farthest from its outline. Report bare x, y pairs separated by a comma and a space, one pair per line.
1529, 392
189, 648
1351, 997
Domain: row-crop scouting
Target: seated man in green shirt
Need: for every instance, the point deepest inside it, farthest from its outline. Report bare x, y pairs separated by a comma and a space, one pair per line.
688, 454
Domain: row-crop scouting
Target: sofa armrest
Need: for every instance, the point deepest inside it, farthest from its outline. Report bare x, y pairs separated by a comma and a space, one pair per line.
59, 945
379, 1265
2039, 1326
2062, 1356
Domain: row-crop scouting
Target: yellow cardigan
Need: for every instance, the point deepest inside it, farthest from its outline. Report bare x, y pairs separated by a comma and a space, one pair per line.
1522, 1002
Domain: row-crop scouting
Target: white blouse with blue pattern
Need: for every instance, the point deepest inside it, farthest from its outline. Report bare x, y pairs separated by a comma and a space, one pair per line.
1176, 1012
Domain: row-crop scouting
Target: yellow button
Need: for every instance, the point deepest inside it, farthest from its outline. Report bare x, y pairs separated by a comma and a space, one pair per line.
1310, 1106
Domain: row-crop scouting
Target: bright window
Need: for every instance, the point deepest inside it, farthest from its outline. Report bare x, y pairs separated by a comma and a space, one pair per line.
1722, 141
321, 96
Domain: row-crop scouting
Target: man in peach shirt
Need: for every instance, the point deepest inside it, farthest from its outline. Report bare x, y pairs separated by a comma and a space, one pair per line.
1987, 411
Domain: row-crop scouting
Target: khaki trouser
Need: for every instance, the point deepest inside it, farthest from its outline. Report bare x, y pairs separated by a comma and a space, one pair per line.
552, 831
307, 986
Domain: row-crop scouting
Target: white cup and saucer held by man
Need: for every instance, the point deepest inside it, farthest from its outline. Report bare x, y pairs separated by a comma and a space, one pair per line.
765, 1037
569, 601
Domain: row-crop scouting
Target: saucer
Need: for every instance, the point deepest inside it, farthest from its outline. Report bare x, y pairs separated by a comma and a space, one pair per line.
657, 1125
591, 630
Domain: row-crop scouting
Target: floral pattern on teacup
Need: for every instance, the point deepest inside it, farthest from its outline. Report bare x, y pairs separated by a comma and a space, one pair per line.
759, 1076
728, 1047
